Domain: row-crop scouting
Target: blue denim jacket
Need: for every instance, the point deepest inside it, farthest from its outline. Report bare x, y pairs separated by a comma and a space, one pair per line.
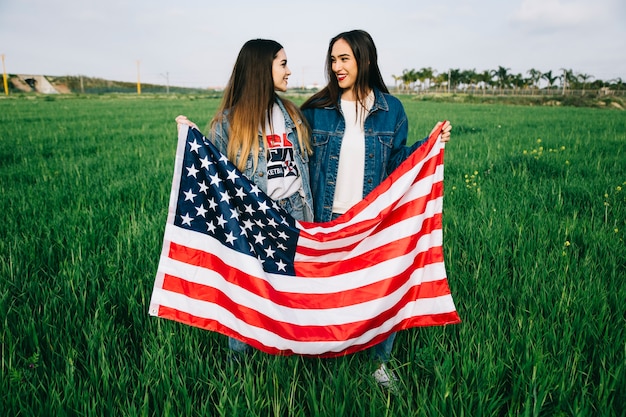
300, 206
386, 129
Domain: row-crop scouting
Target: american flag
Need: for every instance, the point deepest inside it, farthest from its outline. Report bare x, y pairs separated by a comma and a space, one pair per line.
234, 262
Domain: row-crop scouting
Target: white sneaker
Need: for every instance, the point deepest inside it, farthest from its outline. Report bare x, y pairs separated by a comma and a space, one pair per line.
385, 378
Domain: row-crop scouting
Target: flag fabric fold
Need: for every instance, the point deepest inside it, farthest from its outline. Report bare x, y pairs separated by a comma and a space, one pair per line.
234, 262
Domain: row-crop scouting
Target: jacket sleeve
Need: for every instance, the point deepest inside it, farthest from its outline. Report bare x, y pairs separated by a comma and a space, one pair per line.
219, 136
400, 150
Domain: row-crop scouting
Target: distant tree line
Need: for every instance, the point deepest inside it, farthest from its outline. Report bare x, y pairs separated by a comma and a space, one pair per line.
427, 79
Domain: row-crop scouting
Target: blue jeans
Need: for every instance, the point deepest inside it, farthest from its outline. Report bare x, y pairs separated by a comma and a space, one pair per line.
380, 352
238, 346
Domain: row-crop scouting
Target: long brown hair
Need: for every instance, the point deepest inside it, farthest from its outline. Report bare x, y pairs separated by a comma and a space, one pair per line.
248, 101
368, 76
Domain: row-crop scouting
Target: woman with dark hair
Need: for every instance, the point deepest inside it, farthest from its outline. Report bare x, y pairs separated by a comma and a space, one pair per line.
359, 136
264, 135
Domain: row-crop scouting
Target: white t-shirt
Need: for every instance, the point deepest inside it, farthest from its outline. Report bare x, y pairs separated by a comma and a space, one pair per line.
349, 187
283, 178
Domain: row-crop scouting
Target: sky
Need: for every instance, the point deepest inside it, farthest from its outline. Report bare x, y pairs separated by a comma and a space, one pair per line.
194, 43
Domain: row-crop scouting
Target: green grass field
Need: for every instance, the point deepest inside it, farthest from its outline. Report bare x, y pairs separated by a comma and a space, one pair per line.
534, 226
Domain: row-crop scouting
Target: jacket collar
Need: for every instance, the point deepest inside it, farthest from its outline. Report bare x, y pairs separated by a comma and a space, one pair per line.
380, 102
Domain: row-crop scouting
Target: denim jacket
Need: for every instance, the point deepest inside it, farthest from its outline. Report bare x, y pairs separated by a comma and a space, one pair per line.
219, 136
386, 130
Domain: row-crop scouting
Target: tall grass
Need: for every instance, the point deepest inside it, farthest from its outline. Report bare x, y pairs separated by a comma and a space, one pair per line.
534, 223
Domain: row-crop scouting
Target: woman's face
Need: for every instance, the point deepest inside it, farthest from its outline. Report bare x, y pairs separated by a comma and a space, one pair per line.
280, 71
344, 65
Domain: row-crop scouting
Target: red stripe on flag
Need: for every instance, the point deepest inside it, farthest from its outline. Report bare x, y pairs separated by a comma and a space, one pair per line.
214, 325
318, 300
291, 331
391, 250
411, 209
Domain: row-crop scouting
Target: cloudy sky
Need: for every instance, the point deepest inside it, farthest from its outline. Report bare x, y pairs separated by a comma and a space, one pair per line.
194, 43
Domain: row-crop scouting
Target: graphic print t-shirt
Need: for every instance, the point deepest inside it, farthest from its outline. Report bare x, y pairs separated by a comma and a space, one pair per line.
283, 178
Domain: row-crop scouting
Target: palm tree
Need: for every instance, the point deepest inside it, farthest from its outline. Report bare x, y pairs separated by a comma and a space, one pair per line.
566, 78
441, 78
420, 79
549, 78
535, 76
426, 74
409, 77
518, 81
485, 79
454, 76
469, 77
502, 75
396, 79
584, 78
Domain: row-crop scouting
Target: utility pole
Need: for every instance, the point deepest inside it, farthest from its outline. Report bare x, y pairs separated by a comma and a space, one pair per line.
4, 78
138, 80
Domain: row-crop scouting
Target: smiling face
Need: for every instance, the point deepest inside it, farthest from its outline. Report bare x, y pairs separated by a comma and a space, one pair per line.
345, 67
280, 71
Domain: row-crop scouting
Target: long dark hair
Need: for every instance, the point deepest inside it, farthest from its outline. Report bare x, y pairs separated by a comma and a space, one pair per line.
248, 101
368, 77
